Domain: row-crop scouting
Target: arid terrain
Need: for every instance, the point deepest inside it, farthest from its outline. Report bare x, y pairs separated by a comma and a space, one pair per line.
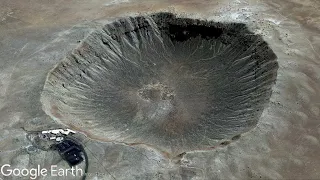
36, 35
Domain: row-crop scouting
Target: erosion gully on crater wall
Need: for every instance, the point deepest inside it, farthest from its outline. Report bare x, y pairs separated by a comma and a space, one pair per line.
176, 84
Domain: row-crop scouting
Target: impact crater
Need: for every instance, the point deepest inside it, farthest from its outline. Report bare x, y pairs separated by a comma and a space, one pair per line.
177, 84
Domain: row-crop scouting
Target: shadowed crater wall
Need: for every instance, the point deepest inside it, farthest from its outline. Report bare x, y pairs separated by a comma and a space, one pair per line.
177, 84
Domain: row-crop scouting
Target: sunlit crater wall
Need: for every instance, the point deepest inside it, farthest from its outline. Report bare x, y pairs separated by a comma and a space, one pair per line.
177, 84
